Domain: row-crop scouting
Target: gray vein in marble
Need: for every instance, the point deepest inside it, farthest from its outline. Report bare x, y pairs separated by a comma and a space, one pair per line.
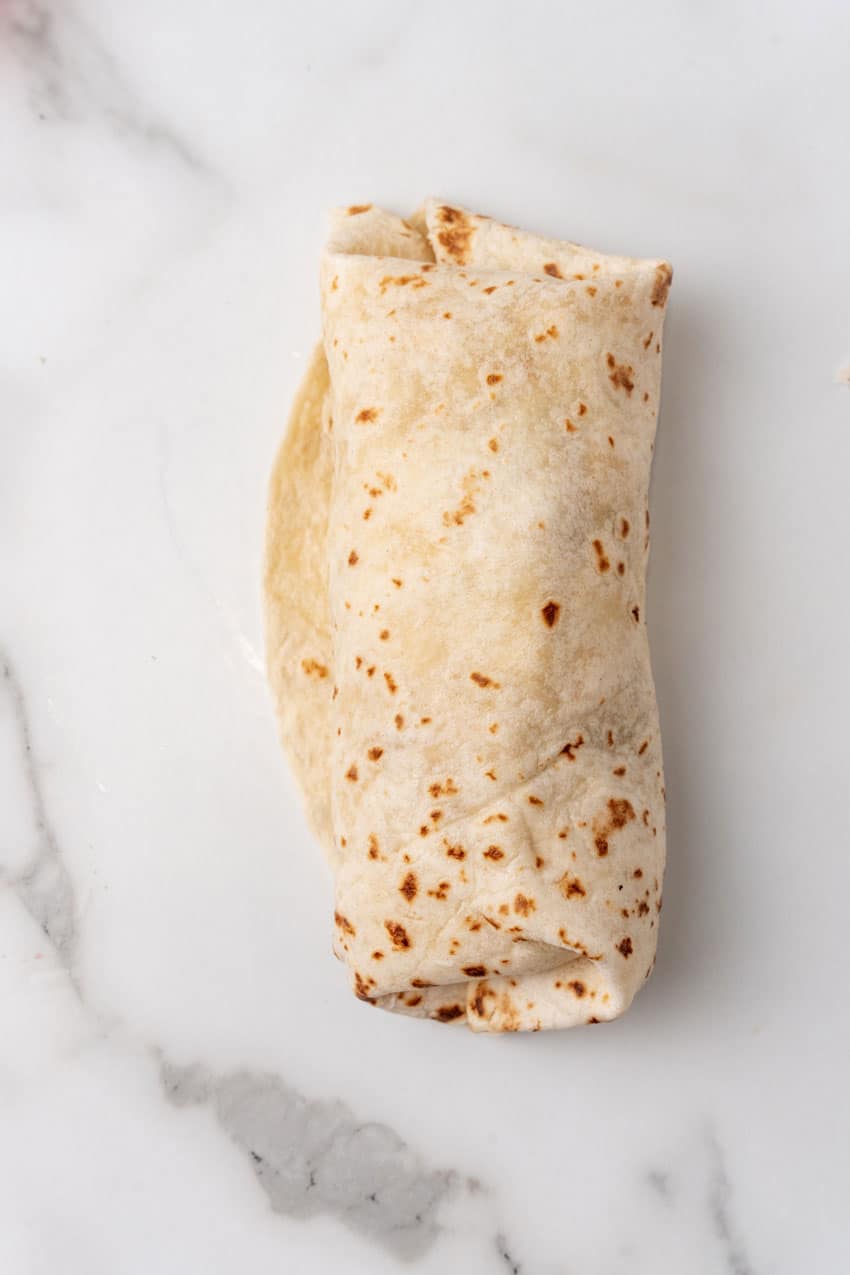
74, 74
510, 1263
660, 1183
44, 887
314, 1156
719, 1200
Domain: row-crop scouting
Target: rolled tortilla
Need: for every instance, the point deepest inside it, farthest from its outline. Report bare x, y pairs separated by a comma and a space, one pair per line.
456, 557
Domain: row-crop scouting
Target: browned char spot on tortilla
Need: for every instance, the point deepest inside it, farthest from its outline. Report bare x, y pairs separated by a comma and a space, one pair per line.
620, 375
447, 1013
663, 279
571, 887
361, 988
409, 887
481, 679
603, 563
456, 234
398, 934
312, 667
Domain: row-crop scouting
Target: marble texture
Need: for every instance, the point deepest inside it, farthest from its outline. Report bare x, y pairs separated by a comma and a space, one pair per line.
185, 1082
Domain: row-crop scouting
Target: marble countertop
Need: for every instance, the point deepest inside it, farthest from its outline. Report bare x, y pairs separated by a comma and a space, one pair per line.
186, 1083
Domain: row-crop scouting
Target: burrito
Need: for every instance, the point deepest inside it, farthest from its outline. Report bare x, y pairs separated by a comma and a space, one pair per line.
456, 553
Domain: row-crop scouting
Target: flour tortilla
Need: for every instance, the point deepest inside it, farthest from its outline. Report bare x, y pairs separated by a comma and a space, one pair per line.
456, 630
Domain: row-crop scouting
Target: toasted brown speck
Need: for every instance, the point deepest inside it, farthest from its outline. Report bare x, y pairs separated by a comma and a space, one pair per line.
493, 378
550, 333
523, 905
398, 934
602, 562
361, 987
620, 375
619, 770
343, 923
366, 415
454, 852
313, 667
550, 613
551, 268
409, 887
373, 846
474, 971
620, 812
663, 279
569, 749
351, 773
446, 1013
590, 290
391, 683
577, 987
625, 947
480, 679
353, 558
643, 748
534, 801
494, 852
456, 238
571, 887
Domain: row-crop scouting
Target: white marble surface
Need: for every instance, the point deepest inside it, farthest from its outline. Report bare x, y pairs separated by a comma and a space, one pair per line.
185, 1082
